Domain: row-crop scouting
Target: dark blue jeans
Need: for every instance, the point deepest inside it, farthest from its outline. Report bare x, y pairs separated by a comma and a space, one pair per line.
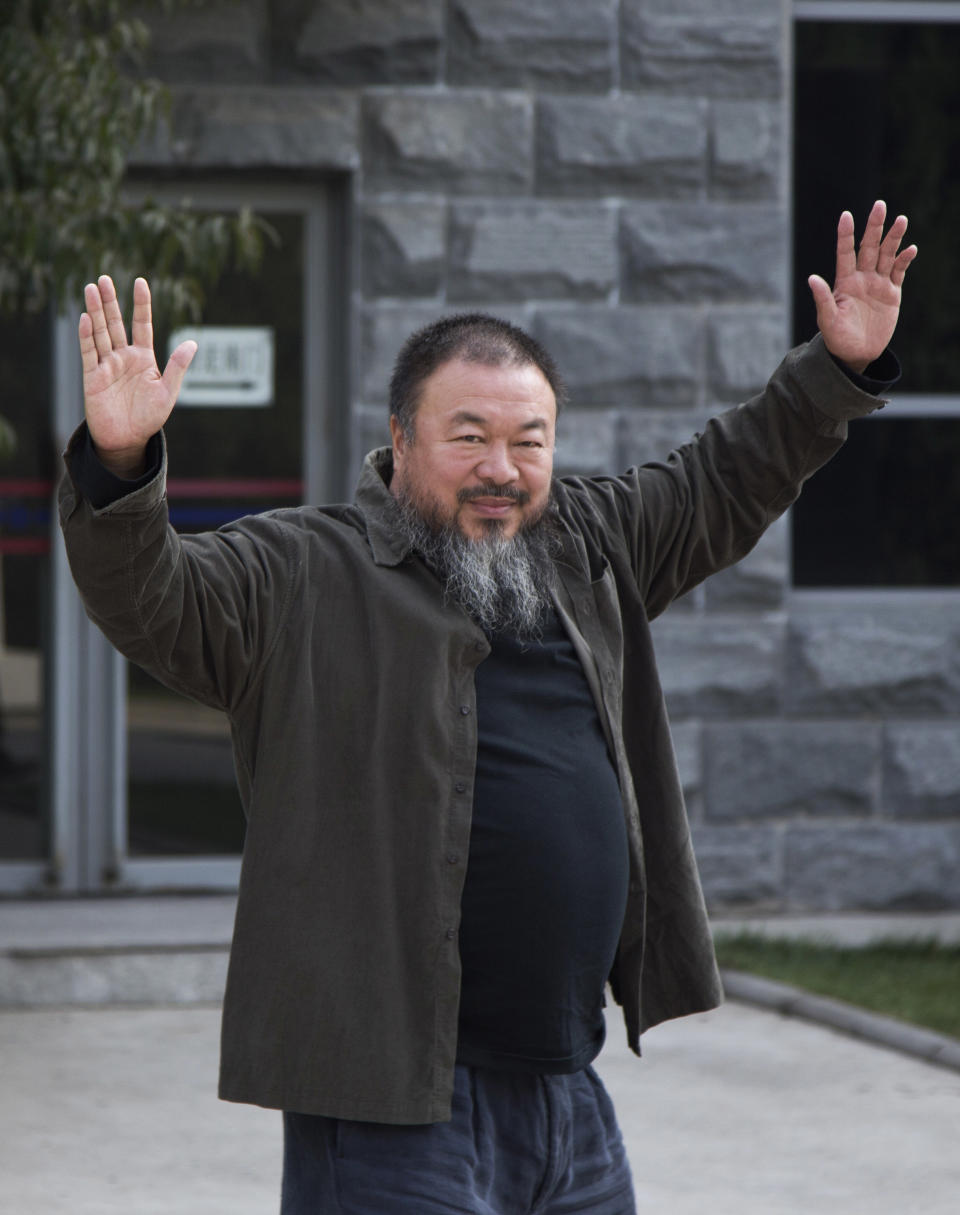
517, 1144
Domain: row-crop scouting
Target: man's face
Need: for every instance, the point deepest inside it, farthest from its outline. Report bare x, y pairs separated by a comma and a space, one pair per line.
482, 458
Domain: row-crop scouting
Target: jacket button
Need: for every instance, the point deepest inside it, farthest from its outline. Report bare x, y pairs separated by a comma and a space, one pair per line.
451, 933
452, 858
465, 710
460, 787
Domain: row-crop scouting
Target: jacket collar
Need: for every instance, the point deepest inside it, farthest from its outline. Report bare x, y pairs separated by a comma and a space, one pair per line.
379, 508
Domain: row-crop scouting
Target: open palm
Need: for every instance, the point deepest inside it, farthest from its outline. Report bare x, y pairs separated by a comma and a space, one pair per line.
858, 316
126, 398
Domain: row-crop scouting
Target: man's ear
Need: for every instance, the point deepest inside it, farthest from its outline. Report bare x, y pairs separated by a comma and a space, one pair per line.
399, 440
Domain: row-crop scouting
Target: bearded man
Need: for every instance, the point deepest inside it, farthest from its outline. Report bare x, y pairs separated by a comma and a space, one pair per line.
464, 817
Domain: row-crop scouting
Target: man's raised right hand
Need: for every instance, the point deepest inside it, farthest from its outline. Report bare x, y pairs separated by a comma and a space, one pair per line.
126, 398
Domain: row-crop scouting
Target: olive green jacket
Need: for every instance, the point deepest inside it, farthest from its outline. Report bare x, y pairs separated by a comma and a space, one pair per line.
349, 686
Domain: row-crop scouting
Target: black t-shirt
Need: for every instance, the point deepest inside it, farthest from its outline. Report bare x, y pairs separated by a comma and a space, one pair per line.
546, 884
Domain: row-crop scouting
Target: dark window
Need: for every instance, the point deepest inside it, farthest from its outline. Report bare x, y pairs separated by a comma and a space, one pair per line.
877, 115
884, 511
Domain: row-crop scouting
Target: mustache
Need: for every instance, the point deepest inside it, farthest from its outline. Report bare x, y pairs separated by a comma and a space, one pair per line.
490, 489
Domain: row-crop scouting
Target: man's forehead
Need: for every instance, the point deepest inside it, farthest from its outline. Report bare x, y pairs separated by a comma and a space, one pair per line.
471, 392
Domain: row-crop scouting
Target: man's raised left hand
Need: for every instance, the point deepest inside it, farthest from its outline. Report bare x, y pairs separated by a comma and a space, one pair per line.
858, 316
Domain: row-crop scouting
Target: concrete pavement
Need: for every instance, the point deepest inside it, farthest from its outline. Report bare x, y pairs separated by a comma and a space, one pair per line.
109, 1024
111, 1111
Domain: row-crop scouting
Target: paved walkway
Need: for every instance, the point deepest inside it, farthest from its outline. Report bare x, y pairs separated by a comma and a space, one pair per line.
111, 1111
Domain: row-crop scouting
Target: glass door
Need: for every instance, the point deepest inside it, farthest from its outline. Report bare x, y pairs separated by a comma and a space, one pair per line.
108, 781
235, 443
261, 423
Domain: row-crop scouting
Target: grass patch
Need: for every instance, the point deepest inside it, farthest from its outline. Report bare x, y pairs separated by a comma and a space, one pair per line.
916, 981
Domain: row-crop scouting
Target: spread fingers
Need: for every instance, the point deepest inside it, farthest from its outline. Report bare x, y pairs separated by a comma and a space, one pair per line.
901, 264
887, 254
88, 347
142, 329
872, 232
94, 295
111, 311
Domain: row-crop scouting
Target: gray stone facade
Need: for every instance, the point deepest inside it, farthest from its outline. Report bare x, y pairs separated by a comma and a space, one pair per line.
612, 174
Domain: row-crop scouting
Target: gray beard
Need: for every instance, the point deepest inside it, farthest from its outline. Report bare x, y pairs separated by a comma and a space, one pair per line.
503, 584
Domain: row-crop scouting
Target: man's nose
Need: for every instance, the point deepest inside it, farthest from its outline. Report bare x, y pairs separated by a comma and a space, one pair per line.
497, 465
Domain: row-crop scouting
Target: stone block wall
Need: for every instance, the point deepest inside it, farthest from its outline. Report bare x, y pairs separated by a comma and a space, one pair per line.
613, 174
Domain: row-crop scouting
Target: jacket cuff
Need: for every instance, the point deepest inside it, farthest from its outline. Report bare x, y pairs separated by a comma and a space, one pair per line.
832, 388
96, 483
881, 375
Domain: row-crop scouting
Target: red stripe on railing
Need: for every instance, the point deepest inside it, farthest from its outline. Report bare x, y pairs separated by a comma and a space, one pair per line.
251, 487
16, 546
25, 487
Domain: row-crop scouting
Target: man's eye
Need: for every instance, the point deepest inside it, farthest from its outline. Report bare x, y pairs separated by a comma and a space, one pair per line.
469, 439
531, 443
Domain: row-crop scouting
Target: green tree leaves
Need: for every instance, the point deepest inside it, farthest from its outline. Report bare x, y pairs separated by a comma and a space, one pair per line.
73, 107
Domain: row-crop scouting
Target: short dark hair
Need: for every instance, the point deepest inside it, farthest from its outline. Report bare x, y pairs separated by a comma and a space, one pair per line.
475, 337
